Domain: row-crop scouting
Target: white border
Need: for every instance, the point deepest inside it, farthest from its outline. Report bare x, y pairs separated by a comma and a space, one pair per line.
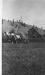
0, 37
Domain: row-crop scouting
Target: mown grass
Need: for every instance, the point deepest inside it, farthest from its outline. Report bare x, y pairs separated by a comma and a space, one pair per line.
23, 59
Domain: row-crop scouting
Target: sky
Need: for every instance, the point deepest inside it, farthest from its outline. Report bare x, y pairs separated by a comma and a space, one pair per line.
31, 11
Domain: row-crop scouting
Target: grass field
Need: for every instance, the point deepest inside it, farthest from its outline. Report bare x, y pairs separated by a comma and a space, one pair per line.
23, 59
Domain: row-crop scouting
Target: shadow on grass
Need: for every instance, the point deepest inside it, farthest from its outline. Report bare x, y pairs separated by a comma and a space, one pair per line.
19, 68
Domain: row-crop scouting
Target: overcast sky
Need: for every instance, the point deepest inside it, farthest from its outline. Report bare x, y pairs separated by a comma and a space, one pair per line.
32, 11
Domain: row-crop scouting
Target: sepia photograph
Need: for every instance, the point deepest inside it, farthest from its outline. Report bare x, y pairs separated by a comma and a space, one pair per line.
23, 37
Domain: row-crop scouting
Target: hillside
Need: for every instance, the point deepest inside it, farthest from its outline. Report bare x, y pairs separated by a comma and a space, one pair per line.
6, 26
18, 27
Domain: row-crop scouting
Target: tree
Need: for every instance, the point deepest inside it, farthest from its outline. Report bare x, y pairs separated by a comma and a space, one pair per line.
2, 21
13, 21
